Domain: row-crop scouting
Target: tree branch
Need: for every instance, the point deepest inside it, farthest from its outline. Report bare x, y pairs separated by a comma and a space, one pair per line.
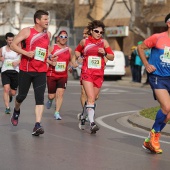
108, 12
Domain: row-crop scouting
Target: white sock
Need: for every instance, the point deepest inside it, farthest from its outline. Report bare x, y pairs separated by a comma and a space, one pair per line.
90, 112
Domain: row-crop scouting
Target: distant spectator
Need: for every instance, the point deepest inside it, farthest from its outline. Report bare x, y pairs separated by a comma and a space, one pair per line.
132, 62
138, 66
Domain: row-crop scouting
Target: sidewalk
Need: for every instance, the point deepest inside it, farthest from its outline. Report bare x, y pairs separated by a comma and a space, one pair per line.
127, 81
136, 119
145, 123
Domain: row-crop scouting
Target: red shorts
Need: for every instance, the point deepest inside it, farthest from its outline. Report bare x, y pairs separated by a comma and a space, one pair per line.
53, 83
97, 80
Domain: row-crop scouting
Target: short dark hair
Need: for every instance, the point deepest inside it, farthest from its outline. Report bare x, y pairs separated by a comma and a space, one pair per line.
38, 14
94, 24
167, 17
9, 34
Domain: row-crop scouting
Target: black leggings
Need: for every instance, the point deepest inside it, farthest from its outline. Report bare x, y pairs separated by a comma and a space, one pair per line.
39, 84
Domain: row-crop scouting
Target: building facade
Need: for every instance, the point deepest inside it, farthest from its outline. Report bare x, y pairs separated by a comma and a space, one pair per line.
126, 21
18, 14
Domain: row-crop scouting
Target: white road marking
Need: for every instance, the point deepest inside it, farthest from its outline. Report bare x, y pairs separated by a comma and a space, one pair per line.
100, 121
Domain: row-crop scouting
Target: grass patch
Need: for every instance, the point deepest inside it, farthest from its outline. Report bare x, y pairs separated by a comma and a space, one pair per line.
150, 113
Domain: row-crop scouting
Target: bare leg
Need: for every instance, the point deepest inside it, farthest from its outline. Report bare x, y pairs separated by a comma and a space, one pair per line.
6, 95
59, 98
38, 112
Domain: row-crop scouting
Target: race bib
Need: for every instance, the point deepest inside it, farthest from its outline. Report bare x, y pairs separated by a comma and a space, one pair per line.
40, 53
94, 62
8, 64
60, 66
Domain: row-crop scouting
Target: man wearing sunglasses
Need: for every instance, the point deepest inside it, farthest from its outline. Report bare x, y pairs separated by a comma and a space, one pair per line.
57, 74
94, 49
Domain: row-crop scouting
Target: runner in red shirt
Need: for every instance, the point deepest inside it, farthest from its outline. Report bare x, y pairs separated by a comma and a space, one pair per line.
57, 74
32, 44
94, 49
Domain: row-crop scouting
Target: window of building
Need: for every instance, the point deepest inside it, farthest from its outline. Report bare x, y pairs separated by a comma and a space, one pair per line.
149, 2
83, 2
121, 1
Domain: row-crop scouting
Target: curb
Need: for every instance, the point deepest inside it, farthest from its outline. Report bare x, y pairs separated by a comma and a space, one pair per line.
145, 123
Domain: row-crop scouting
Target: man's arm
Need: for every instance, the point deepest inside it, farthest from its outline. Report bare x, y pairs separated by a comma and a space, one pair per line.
1, 57
141, 51
73, 58
22, 35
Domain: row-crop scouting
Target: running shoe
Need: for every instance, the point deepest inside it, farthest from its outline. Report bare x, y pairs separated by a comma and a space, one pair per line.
7, 111
80, 116
57, 116
154, 139
94, 128
38, 130
49, 104
146, 145
82, 124
10, 98
14, 117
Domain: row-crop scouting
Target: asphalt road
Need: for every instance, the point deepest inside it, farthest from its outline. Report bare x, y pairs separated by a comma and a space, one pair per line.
116, 146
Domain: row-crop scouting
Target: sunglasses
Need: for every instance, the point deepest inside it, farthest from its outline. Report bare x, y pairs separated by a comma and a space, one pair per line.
97, 31
63, 36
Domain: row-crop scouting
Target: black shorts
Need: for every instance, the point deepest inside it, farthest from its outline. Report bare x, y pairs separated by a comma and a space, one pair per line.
10, 77
54, 83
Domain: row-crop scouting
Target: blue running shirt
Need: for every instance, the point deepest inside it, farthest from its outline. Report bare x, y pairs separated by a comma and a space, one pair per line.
160, 53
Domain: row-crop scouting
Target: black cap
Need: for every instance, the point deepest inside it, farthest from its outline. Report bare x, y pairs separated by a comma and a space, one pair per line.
167, 17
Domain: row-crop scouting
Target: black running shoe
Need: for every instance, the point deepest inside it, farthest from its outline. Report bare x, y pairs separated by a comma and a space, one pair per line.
38, 130
94, 128
14, 117
82, 124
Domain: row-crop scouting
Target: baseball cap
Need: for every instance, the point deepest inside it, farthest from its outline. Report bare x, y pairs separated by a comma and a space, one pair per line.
140, 42
133, 47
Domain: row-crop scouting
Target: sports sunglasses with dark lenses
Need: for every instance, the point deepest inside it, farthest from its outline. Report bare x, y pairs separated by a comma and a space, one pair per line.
97, 31
63, 36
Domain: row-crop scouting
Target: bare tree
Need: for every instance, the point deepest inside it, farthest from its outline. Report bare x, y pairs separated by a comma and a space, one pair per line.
92, 4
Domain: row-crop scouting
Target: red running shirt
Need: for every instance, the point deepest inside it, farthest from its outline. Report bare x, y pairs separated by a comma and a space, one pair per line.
39, 43
93, 62
60, 70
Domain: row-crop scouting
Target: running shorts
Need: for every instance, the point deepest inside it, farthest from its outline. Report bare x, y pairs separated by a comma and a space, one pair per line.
97, 80
54, 83
10, 77
158, 82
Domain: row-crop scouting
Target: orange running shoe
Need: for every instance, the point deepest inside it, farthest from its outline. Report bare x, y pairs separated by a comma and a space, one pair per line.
154, 141
147, 145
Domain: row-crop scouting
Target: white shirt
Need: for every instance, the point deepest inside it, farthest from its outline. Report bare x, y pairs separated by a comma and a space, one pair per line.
9, 57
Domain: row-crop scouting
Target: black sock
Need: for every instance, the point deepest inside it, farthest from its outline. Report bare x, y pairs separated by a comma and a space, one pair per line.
37, 124
16, 113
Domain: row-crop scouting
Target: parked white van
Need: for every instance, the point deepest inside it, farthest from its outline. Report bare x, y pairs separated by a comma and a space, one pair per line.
115, 68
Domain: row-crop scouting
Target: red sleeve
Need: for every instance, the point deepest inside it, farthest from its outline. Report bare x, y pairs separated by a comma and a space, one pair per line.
79, 48
109, 50
151, 41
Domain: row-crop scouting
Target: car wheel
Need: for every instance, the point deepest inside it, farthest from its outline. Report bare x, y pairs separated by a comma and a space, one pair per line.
75, 75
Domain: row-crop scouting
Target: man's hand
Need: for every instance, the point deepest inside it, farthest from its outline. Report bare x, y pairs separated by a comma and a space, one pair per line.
150, 68
30, 54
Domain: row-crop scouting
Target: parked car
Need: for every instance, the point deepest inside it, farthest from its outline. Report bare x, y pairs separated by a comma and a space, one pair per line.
115, 68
